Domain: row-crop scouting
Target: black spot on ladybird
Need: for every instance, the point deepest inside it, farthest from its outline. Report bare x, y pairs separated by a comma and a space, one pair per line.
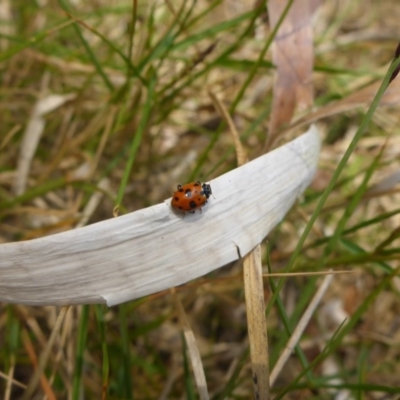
193, 204
176, 198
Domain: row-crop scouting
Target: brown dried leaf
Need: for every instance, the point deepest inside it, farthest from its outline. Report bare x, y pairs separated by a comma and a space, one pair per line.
293, 56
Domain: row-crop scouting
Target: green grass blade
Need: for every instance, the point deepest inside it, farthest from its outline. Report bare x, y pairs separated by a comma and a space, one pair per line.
100, 313
137, 139
80, 350
190, 394
337, 173
260, 58
126, 385
98, 66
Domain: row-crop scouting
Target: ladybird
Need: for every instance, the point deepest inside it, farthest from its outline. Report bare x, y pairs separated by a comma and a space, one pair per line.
191, 196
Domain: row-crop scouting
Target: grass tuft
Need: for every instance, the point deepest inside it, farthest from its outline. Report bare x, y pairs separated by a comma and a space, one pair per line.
139, 121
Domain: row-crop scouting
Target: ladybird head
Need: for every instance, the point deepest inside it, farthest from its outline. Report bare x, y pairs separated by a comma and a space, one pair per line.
206, 190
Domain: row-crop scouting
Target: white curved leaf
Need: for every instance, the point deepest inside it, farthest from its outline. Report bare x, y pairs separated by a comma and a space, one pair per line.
156, 248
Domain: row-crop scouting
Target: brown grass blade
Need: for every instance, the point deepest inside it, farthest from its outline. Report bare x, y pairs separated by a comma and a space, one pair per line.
256, 322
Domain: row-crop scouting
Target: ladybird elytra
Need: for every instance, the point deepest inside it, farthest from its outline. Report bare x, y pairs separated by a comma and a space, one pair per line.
191, 196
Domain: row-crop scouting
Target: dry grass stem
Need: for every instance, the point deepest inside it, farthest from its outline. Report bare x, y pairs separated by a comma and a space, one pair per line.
192, 349
319, 273
301, 325
38, 374
254, 288
257, 323
241, 156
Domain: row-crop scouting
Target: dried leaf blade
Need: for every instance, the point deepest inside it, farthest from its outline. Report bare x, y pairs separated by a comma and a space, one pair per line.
155, 248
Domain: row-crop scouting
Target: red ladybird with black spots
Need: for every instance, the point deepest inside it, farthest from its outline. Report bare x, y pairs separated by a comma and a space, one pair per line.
191, 196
